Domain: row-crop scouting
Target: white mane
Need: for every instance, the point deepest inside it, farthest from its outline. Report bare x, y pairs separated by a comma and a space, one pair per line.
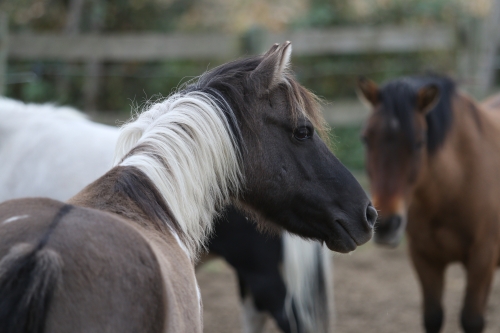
189, 152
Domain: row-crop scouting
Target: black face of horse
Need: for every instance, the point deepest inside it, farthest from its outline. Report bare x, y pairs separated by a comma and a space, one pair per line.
319, 197
395, 141
292, 179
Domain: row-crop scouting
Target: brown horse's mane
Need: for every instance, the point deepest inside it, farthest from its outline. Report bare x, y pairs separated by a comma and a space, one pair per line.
226, 80
399, 98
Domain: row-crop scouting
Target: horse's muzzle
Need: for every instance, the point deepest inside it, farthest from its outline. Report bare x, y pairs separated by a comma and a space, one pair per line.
349, 233
389, 231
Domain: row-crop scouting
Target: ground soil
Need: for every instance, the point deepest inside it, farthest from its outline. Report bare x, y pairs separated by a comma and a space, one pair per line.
375, 291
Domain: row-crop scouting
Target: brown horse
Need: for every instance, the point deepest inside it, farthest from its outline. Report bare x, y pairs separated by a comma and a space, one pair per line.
118, 257
433, 160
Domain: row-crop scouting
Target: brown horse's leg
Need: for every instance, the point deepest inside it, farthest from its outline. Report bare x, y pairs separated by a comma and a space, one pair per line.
480, 270
431, 276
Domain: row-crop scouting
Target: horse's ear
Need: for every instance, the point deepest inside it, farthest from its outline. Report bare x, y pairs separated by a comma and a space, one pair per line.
368, 92
273, 66
427, 97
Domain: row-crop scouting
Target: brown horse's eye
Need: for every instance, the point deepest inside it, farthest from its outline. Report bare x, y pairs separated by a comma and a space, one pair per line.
302, 133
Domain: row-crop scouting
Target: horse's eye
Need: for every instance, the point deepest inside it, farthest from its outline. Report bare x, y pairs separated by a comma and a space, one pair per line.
302, 133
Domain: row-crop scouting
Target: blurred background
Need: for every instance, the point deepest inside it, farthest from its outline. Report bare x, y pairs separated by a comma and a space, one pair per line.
105, 56
108, 57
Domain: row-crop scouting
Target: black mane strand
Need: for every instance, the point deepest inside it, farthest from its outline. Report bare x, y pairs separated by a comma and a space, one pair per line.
226, 84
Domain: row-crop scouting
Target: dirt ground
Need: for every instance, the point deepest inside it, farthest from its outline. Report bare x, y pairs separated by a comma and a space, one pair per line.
375, 291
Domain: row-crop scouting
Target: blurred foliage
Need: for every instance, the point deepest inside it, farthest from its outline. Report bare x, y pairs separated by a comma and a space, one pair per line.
154, 79
347, 146
119, 15
330, 77
123, 83
145, 15
324, 13
335, 76
36, 91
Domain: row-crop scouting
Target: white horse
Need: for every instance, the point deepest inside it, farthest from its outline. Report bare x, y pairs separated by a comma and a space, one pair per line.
51, 151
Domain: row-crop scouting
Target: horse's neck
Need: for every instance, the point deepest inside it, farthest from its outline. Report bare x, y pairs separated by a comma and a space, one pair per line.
186, 148
461, 159
121, 191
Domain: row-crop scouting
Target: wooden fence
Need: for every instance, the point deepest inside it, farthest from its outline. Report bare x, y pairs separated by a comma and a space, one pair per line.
95, 48
146, 47
3, 51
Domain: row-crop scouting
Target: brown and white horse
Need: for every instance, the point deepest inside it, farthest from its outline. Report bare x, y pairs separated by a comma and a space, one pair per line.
118, 257
433, 159
52, 151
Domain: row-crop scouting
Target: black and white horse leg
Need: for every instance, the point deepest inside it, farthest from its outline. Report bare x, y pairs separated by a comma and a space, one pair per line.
267, 294
257, 259
253, 320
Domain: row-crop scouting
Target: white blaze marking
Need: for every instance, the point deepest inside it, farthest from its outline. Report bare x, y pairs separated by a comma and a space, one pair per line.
15, 218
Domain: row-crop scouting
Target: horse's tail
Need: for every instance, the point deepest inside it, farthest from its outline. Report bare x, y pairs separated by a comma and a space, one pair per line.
28, 276
309, 282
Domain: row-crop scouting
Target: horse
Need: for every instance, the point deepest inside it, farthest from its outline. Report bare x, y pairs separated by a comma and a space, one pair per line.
118, 256
49, 151
432, 158
33, 135
284, 277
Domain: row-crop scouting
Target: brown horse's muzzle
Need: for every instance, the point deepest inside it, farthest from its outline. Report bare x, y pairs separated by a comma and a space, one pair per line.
390, 230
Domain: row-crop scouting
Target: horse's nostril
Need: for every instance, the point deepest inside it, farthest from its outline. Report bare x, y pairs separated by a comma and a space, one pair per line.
371, 215
395, 221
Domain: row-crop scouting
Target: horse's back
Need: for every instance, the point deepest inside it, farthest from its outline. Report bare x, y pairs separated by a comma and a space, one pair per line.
111, 281
38, 153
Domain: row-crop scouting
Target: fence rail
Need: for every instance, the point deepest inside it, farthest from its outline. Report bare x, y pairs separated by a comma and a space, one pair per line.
96, 48
145, 47
3, 51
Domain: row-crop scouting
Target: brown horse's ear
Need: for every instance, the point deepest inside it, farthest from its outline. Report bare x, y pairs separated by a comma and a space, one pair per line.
427, 97
368, 92
273, 66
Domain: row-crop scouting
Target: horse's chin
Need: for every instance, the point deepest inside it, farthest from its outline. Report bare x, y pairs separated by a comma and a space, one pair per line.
341, 246
388, 240
390, 231
391, 243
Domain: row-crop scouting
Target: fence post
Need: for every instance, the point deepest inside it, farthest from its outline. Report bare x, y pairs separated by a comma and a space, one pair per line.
94, 67
71, 28
488, 48
4, 34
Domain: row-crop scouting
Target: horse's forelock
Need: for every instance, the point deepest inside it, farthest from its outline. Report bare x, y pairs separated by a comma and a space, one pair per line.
305, 103
399, 101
